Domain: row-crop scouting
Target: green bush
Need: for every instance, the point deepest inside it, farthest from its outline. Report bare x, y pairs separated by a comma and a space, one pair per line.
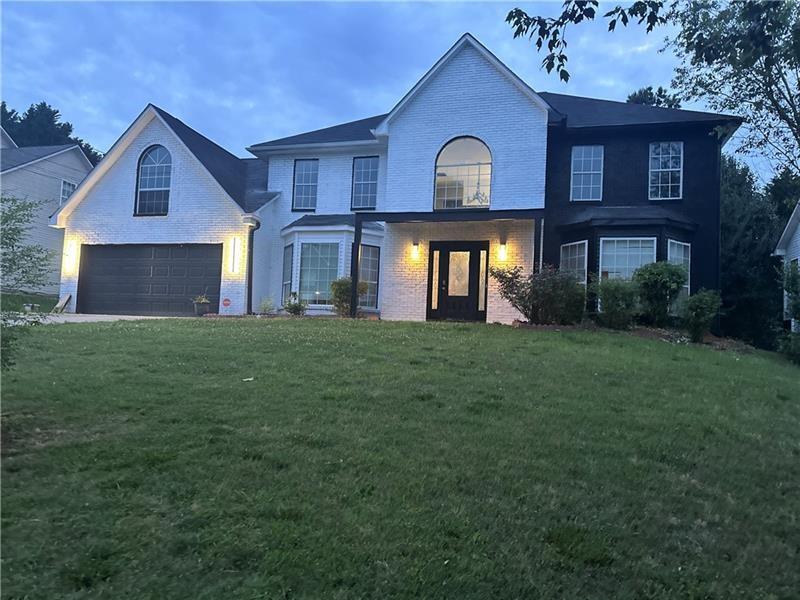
699, 313
790, 346
659, 284
618, 302
294, 306
267, 306
341, 290
547, 296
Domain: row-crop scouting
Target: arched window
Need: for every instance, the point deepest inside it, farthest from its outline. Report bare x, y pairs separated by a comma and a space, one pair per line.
152, 194
463, 174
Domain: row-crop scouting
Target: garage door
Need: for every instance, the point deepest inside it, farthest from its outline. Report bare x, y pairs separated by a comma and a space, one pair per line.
148, 279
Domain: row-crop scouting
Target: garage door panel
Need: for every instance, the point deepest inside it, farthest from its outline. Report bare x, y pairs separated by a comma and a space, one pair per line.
148, 279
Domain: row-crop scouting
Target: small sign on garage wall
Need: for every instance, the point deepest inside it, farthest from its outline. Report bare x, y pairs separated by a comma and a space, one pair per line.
226, 302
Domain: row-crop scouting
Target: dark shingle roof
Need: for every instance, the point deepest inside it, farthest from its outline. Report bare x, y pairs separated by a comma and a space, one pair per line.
354, 131
591, 112
228, 170
255, 190
626, 215
15, 157
329, 220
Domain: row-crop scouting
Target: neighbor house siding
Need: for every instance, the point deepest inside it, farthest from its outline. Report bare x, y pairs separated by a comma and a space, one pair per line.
199, 213
468, 97
403, 293
41, 181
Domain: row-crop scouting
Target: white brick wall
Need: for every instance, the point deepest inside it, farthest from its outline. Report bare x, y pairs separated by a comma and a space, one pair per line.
404, 279
199, 213
41, 181
468, 96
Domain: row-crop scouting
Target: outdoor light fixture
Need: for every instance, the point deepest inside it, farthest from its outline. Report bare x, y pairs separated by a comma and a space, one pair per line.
71, 257
236, 251
502, 252
415, 251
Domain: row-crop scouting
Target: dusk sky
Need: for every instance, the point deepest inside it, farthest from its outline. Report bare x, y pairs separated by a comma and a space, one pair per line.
243, 73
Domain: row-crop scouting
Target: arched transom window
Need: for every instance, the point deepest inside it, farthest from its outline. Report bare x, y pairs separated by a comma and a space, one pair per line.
463, 174
155, 170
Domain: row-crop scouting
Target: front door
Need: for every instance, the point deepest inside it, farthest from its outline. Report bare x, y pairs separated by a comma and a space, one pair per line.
457, 280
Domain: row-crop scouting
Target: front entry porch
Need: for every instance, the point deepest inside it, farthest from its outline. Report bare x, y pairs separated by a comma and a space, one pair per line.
435, 266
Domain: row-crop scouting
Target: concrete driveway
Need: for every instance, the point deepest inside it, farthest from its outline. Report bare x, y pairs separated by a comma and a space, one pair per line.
73, 318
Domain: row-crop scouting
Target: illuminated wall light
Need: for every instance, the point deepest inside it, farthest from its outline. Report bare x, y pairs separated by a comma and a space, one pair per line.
415, 251
70, 259
502, 252
235, 254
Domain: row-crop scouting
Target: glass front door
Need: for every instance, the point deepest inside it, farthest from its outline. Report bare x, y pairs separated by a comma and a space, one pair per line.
457, 280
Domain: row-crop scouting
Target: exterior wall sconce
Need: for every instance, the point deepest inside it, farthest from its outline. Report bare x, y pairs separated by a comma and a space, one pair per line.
235, 254
415, 251
502, 252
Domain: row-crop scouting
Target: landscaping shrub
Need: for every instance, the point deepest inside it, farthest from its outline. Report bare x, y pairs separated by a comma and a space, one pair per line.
548, 296
267, 306
341, 290
659, 284
790, 346
294, 306
699, 312
618, 302
791, 284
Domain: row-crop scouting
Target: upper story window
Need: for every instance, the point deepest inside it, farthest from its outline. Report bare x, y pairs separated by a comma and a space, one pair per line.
463, 174
155, 171
67, 187
306, 175
365, 182
587, 173
666, 171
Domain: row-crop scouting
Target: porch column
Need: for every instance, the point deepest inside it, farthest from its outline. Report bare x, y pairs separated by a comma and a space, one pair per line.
354, 265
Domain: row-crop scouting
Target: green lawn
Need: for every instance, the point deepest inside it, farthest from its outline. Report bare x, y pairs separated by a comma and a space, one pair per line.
14, 301
335, 459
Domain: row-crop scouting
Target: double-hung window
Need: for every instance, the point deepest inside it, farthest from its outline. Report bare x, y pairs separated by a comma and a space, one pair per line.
155, 177
573, 259
365, 182
67, 187
319, 267
369, 269
286, 283
586, 173
306, 176
666, 171
680, 253
620, 257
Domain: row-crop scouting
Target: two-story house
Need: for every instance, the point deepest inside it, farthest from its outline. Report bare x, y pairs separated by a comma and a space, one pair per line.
471, 169
47, 175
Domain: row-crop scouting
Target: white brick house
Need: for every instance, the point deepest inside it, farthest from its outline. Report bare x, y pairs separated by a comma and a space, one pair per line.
452, 181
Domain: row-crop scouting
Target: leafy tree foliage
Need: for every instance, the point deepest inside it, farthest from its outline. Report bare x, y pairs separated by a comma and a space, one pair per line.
750, 278
658, 97
41, 125
740, 57
659, 285
783, 192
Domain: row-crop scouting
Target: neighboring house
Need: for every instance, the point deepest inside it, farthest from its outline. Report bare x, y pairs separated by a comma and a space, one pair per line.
47, 174
789, 248
471, 169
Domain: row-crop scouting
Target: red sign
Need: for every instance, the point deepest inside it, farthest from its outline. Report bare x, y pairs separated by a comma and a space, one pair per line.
226, 302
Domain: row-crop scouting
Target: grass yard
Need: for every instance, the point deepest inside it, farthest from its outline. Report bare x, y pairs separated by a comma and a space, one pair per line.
320, 458
14, 301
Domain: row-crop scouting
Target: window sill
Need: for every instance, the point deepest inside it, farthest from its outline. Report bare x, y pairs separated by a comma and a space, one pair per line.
303, 209
466, 209
151, 215
665, 199
581, 201
365, 208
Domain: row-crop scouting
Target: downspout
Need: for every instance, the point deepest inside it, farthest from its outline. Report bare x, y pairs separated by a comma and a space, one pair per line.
250, 239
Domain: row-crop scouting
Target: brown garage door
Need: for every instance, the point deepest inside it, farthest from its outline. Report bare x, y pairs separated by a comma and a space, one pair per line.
139, 279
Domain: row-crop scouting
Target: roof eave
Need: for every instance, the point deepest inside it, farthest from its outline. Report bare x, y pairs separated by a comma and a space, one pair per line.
264, 149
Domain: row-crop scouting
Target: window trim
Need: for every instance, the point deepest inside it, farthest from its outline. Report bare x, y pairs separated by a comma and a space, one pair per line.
302, 243
136, 212
572, 172
294, 185
688, 285
61, 200
353, 184
377, 282
285, 297
491, 177
585, 257
654, 239
650, 171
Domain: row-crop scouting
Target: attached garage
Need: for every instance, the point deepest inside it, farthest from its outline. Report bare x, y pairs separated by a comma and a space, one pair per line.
148, 279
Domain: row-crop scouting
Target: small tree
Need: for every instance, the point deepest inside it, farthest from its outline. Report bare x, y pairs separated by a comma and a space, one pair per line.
659, 284
22, 267
548, 296
341, 290
699, 313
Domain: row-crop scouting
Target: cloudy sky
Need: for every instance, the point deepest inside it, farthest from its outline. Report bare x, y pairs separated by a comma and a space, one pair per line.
243, 73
